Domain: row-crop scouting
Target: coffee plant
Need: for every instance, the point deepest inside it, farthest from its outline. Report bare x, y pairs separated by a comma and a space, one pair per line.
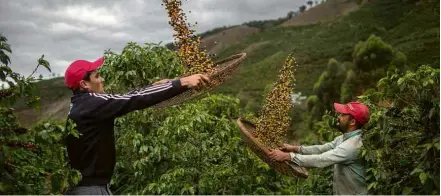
194, 148
32, 160
402, 139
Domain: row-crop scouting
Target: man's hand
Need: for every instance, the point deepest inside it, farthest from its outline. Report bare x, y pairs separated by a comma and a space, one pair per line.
161, 81
196, 80
290, 148
279, 155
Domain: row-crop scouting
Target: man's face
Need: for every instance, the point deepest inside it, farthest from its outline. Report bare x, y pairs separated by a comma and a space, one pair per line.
95, 84
344, 122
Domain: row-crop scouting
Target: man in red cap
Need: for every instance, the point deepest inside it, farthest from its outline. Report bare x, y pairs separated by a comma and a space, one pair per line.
94, 112
342, 153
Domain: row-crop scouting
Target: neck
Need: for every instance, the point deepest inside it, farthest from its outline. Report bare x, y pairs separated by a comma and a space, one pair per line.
351, 129
80, 91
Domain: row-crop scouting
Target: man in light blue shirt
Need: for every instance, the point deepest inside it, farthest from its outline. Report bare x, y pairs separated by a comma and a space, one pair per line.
342, 153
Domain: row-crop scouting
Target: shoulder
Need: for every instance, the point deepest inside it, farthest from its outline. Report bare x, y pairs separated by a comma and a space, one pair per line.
85, 101
338, 138
353, 142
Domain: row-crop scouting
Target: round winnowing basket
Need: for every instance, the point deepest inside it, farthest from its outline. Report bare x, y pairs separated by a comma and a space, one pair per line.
285, 167
222, 72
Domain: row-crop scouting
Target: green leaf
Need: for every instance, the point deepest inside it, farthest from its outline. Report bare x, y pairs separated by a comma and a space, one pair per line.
407, 190
428, 146
400, 81
423, 177
56, 182
47, 125
431, 81
2, 161
3, 187
75, 133
2, 76
436, 146
371, 185
44, 63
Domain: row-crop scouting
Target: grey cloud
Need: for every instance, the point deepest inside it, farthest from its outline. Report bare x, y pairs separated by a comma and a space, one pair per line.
66, 30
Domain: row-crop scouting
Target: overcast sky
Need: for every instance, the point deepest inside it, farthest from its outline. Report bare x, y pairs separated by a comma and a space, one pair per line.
67, 30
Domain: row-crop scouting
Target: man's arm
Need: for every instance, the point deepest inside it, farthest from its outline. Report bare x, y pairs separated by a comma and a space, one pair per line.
104, 106
318, 149
150, 85
315, 149
344, 152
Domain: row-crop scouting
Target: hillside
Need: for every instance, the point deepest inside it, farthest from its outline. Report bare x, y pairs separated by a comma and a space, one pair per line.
54, 103
326, 11
222, 40
409, 26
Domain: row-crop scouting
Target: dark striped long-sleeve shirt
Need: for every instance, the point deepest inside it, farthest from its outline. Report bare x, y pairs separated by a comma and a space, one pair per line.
93, 153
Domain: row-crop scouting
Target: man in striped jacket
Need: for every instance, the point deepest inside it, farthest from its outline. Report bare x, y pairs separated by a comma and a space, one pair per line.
94, 112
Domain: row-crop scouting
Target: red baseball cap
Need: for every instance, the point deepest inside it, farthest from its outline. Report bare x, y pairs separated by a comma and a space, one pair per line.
78, 69
358, 110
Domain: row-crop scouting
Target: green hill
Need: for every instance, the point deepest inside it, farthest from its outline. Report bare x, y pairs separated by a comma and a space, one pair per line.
54, 103
410, 26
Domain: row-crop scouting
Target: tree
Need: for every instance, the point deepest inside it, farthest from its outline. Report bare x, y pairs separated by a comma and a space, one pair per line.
40, 77
327, 89
290, 15
4, 47
349, 88
302, 8
310, 3
372, 54
371, 60
143, 64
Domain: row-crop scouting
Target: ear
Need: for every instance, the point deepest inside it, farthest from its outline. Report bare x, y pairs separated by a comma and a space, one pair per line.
84, 85
353, 122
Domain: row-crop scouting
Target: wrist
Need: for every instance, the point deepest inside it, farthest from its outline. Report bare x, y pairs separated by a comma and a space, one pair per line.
184, 82
293, 149
292, 155
177, 83
297, 149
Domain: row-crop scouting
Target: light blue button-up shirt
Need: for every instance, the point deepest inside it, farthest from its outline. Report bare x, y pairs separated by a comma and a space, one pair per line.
343, 153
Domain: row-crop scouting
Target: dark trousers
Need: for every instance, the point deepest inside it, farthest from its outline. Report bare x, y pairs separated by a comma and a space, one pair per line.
89, 190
